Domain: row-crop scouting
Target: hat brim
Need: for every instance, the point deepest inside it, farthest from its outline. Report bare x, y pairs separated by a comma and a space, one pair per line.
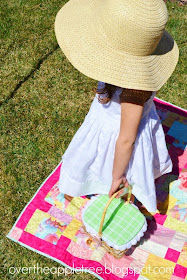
89, 52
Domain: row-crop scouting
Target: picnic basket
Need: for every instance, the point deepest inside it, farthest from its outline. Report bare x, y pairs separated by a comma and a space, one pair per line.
115, 223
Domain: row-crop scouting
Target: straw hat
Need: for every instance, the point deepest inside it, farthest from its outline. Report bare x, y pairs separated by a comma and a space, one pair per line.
120, 42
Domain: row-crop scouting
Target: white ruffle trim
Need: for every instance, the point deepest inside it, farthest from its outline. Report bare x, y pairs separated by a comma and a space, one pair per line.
94, 233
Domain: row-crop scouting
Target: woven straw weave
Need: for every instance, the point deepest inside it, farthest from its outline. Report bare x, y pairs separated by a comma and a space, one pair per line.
123, 43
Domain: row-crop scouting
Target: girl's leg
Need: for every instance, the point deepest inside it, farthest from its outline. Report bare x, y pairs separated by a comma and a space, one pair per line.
131, 199
68, 197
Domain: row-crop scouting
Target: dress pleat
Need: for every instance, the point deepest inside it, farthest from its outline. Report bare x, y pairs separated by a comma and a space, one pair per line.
88, 161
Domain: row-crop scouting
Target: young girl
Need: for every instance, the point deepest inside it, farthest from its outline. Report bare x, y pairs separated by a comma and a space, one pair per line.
124, 45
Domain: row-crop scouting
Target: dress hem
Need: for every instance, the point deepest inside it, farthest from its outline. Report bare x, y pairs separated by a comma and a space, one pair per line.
101, 188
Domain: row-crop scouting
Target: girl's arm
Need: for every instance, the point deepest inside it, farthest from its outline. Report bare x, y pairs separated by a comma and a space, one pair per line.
130, 118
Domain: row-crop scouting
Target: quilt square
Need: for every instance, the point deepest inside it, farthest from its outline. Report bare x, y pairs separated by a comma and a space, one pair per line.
119, 267
179, 144
74, 206
169, 139
171, 118
139, 259
158, 268
180, 271
159, 235
16, 233
178, 130
172, 255
84, 240
182, 260
56, 198
167, 205
178, 241
160, 218
72, 228
178, 157
162, 113
175, 224
45, 226
98, 254
78, 251
166, 129
60, 215
153, 248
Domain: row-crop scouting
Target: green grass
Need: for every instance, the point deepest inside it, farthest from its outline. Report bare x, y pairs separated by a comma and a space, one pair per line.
43, 102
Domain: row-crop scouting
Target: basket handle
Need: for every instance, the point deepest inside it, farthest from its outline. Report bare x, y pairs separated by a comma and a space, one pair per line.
106, 206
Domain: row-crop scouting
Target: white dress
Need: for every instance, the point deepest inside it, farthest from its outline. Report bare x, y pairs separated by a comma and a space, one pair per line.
88, 161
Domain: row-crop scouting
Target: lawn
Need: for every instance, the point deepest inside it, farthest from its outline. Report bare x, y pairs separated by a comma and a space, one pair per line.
43, 102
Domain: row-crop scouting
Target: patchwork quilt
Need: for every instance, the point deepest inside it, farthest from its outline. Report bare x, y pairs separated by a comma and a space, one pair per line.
52, 226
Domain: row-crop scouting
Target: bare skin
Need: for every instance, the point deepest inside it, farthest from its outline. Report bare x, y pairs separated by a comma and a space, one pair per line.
130, 119
68, 197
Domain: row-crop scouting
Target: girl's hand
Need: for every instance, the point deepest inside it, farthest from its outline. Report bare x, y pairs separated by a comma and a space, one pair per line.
115, 186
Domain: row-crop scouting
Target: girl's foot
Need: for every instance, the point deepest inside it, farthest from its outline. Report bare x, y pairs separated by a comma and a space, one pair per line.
132, 199
90, 195
68, 197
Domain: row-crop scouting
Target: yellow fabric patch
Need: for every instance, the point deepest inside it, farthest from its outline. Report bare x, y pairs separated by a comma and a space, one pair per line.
74, 206
78, 201
182, 260
71, 209
175, 224
59, 204
98, 254
58, 233
167, 205
36, 219
171, 118
72, 228
157, 268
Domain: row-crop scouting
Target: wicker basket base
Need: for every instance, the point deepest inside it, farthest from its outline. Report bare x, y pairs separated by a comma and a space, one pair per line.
116, 253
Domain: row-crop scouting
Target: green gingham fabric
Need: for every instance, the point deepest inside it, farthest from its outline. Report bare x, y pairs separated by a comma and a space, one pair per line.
122, 221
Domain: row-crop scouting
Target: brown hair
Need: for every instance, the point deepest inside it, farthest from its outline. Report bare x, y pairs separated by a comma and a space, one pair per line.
109, 90
127, 95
